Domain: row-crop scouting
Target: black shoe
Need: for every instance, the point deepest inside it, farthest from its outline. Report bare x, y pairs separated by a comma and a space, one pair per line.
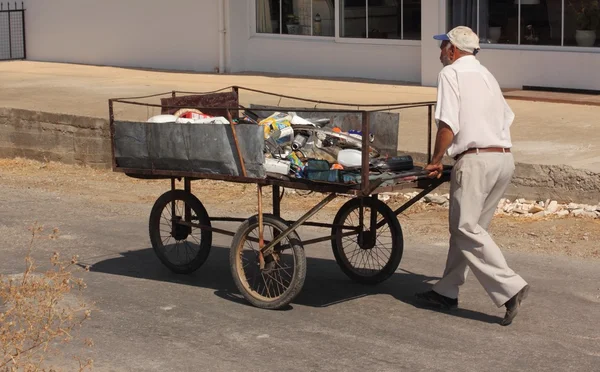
513, 305
436, 299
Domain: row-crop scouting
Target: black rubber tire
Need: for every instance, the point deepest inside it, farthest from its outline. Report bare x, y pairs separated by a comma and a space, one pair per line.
154, 225
239, 275
397, 240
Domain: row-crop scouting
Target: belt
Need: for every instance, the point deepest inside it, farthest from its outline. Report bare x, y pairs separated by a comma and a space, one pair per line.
485, 149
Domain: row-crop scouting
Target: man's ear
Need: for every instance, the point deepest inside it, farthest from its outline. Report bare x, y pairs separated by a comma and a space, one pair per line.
450, 52
452, 49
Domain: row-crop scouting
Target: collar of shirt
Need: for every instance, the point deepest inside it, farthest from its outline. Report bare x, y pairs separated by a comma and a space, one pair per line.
466, 59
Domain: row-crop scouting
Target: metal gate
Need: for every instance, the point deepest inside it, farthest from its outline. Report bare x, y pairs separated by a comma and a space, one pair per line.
12, 31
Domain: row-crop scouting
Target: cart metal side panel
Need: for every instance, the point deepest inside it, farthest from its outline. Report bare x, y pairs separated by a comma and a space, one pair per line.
198, 148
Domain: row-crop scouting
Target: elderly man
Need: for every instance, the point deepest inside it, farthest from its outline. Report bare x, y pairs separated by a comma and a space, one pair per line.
473, 127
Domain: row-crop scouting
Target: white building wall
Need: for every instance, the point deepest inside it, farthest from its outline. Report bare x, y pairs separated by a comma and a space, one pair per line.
326, 58
174, 34
313, 56
514, 68
183, 35
432, 23
238, 34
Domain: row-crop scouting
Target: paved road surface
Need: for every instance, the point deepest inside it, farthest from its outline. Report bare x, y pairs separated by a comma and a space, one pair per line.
148, 319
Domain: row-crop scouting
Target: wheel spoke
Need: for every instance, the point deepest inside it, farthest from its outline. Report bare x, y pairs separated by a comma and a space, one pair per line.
354, 253
380, 259
196, 240
273, 282
266, 285
383, 246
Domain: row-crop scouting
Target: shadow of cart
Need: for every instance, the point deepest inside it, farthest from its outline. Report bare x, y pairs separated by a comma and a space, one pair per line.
325, 286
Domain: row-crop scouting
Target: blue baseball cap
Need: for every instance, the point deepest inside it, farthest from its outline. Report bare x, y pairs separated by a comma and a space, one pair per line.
442, 37
461, 37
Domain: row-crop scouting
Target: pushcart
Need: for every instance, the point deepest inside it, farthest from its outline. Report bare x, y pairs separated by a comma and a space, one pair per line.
267, 257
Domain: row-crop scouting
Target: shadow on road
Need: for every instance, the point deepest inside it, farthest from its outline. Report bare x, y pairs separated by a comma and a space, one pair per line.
325, 284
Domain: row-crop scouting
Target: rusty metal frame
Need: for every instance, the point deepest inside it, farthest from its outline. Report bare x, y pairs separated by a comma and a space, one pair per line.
366, 188
363, 189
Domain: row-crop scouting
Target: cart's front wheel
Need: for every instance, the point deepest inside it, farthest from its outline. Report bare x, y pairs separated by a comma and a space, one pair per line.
273, 281
367, 240
176, 238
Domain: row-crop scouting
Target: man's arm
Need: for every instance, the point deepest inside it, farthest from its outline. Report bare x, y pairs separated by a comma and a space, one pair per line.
446, 116
443, 140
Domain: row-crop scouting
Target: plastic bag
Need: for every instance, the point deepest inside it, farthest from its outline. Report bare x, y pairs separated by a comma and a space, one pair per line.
162, 119
274, 122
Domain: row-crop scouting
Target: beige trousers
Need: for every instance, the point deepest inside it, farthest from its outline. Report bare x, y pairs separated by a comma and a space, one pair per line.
478, 183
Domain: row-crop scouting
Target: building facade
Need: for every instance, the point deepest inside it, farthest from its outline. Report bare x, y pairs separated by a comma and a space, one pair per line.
546, 43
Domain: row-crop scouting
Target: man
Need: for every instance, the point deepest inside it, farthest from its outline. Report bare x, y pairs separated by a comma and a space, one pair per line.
474, 128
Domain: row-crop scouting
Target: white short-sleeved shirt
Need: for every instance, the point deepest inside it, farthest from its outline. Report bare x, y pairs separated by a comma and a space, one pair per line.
470, 102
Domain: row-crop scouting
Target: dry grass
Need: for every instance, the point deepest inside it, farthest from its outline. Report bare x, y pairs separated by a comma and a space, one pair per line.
569, 236
36, 316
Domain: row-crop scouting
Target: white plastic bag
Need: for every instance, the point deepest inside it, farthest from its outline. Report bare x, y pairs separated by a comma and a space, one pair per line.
163, 119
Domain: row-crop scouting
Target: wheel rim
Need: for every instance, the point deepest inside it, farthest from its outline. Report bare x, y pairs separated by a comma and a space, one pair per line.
367, 252
275, 279
180, 243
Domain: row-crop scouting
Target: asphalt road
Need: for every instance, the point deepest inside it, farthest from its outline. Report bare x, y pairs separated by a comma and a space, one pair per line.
148, 319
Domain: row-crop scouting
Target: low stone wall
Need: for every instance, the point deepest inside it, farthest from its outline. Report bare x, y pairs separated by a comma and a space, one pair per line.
541, 182
54, 137
85, 141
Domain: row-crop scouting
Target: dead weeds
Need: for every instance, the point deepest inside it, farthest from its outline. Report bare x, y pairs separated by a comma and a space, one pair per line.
39, 312
421, 223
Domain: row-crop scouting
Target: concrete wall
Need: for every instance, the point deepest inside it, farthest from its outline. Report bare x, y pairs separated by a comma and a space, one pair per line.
54, 137
238, 34
433, 22
174, 34
183, 35
85, 141
540, 182
327, 58
514, 68
315, 56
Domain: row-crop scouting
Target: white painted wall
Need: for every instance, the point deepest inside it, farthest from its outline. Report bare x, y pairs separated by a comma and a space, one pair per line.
313, 56
183, 35
513, 68
327, 58
173, 34
238, 33
432, 23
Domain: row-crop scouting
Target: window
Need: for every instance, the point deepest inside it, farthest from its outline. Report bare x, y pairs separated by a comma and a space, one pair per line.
380, 19
530, 22
296, 17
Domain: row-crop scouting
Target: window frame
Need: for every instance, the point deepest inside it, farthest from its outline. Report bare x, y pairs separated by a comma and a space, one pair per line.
337, 38
529, 47
253, 25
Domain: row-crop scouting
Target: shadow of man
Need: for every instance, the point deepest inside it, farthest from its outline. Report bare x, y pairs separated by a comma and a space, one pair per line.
325, 284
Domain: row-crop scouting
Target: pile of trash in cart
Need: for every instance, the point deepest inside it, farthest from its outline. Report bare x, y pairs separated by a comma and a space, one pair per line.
305, 148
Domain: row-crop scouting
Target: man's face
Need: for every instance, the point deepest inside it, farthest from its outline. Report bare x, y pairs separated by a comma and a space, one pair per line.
447, 53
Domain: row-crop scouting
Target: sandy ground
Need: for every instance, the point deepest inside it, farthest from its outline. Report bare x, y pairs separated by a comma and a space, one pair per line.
543, 133
427, 224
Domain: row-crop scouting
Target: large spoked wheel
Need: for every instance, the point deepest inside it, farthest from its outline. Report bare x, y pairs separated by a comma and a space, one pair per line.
176, 238
369, 246
281, 277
